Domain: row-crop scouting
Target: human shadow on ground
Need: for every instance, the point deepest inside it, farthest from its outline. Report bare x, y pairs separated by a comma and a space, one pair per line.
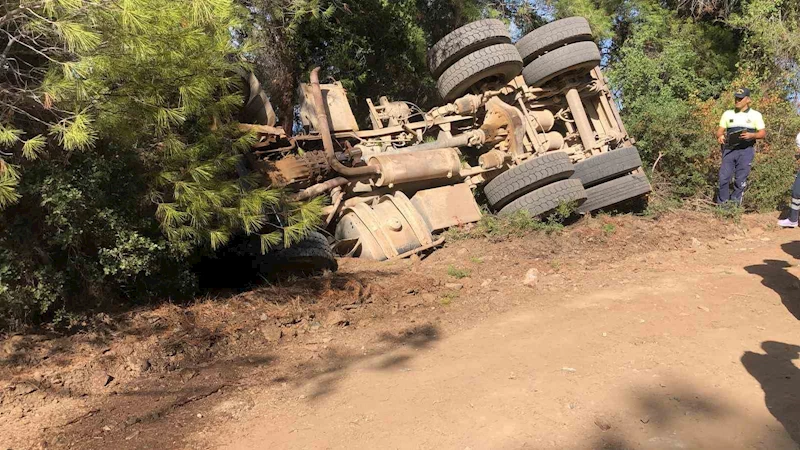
775, 276
792, 249
780, 380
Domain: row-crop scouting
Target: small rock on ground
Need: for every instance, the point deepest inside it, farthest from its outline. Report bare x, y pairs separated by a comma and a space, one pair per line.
145, 366
271, 333
336, 319
187, 374
602, 424
103, 379
13, 344
531, 278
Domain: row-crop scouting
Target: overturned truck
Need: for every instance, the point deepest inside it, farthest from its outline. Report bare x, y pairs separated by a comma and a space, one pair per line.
529, 126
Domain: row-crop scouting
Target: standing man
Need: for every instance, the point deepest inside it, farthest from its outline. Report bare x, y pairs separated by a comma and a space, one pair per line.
737, 133
794, 208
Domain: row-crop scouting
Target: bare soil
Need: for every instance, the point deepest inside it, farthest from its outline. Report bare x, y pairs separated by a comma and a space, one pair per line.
680, 332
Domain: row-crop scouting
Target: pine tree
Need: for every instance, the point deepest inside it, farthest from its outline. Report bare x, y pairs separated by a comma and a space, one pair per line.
119, 152
157, 75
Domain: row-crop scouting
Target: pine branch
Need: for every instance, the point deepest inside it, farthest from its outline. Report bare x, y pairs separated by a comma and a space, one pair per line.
13, 14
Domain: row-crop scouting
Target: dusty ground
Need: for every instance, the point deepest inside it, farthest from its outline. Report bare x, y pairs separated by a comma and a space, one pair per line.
675, 333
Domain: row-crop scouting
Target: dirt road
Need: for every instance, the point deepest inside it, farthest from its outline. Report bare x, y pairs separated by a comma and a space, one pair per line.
695, 349
677, 333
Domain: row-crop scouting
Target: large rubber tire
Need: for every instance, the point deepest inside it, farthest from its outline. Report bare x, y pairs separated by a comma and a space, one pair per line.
547, 198
465, 40
572, 57
612, 192
500, 61
605, 166
310, 255
532, 174
553, 35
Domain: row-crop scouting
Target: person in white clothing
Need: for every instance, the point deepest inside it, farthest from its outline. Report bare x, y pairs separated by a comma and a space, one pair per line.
794, 208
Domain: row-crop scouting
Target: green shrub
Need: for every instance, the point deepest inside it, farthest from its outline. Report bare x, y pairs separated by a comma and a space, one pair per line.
519, 223
79, 237
119, 150
729, 211
675, 77
457, 273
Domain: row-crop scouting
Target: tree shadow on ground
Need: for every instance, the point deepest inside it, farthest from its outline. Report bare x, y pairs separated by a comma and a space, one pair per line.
145, 407
659, 411
184, 326
226, 335
775, 276
389, 353
148, 407
679, 416
780, 380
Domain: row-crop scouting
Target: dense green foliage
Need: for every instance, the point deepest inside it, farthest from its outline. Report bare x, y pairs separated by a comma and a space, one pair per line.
374, 47
674, 65
661, 80
119, 147
119, 152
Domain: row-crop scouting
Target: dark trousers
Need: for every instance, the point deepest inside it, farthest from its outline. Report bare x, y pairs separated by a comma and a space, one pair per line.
735, 164
794, 211
796, 186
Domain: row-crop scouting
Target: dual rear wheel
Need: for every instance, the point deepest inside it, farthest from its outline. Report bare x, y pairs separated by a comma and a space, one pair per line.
481, 53
541, 184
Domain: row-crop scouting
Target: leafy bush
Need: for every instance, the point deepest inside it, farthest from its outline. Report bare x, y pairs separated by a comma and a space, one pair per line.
118, 144
119, 153
80, 236
775, 165
457, 273
675, 74
519, 223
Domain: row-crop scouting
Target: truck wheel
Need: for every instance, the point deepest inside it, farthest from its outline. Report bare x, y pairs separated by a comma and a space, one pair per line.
499, 61
547, 198
605, 166
553, 35
311, 255
615, 191
532, 174
580, 55
465, 40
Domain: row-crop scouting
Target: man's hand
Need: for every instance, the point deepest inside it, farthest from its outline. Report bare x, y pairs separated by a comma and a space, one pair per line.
760, 134
721, 135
